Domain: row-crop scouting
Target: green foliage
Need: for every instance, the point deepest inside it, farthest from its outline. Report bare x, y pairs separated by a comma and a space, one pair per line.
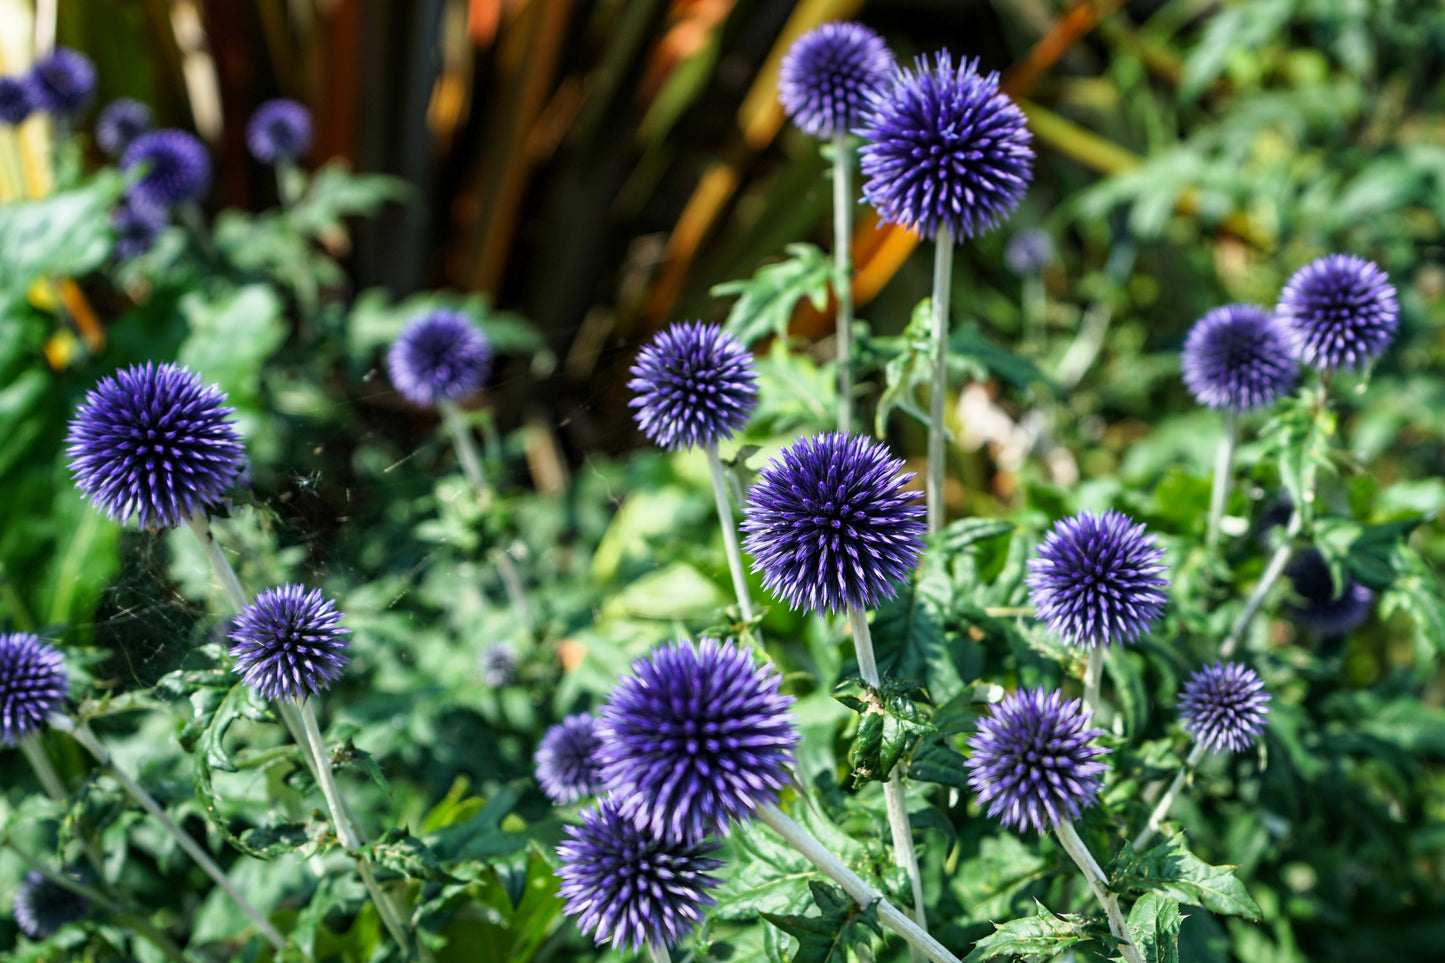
765, 303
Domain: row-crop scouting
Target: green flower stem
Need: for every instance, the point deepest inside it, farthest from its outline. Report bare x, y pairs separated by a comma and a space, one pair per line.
200, 524
1093, 678
861, 893
658, 952
203, 859
729, 531
893, 794
843, 275
1223, 462
195, 222
1272, 571
1099, 883
44, 771
942, 284
1162, 809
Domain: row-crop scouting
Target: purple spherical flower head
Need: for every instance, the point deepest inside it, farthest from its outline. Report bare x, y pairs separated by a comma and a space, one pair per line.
154, 442
830, 74
289, 643
120, 123
137, 225
32, 685
830, 524
1238, 358
696, 736
566, 759
279, 130
629, 888
17, 99
178, 169
1096, 580
1223, 707
1331, 614
440, 356
63, 82
694, 384
1029, 251
947, 149
43, 907
498, 665
1340, 312
1034, 762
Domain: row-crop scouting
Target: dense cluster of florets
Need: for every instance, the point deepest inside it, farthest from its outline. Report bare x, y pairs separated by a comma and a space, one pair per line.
289, 643
279, 130
830, 74
1237, 358
120, 123
439, 356
177, 167
63, 82
694, 384
1340, 312
137, 226
566, 759
17, 101
42, 906
1223, 706
1331, 612
32, 685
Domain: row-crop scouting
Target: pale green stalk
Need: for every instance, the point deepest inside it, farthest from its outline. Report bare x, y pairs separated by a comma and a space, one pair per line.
942, 284
1099, 883
1156, 818
729, 531
1223, 462
843, 275
1093, 678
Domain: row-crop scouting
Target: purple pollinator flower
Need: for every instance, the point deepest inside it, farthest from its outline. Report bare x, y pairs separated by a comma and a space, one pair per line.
696, 736
42, 907
155, 443
17, 99
32, 685
439, 356
120, 123
946, 149
1034, 762
1331, 614
137, 226
694, 384
566, 760
289, 643
498, 665
830, 74
1238, 358
1029, 251
629, 888
830, 524
1223, 706
1097, 580
1340, 312
279, 130
63, 82
177, 167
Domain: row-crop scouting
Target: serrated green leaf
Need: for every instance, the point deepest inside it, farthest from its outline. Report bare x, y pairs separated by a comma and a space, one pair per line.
335, 193
937, 762
908, 363
990, 884
1154, 924
64, 235
1170, 869
404, 854
1041, 937
827, 937
766, 300
1416, 592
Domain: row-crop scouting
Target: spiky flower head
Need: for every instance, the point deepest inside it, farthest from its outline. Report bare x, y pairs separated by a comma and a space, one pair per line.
1097, 579
498, 665
137, 225
17, 99
120, 123
63, 82
946, 148
279, 130
177, 167
830, 525
32, 685
155, 443
694, 384
1034, 762
566, 759
830, 74
289, 643
1238, 358
1323, 609
628, 887
696, 736
1223, 706
440, 356
1029, 251
42, 907
1340, 312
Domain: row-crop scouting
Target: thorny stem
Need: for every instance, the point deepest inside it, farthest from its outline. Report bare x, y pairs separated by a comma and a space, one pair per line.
1223, 461
1162, 809
942, 278
843, 275
1099, 883
1093, 678
729, 531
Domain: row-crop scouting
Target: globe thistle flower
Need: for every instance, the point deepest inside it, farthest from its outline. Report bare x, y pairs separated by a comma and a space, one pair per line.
289, 643
42, 907
630, 888
829, 75
830, 524
695, 384
178, 169
120, 123
696, 736
63, 82
1223, 707
1238, 358
155, 443
1331, 614
137, 226
1029, 251
1340, 311
498, 665
1034, 762
566, 760
279, 130
17, 100
32, 685
440, 356
1096, 580
947, 149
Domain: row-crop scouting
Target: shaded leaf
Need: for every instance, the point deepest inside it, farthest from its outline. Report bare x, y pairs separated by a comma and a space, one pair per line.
766, 300
827, 937
1169, 869
1154, 924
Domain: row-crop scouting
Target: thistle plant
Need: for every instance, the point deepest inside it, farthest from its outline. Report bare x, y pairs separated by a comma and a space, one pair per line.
568, 760
120, 122
1340, 312
17, 100
175, 175
137, 225
825, 83
63, 82
947, 156
43, 906
1330, 612
278, 134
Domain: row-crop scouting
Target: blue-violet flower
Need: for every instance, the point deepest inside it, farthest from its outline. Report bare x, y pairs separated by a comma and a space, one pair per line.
1340, 312
279, 130
289, 643
830, 74
694, 384
120, 123
32, 685
1223, 706
63, 82
566, 759
42, 907
137, 226
1332, 614
1238, 358
17, 99
439, 356
178, 169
